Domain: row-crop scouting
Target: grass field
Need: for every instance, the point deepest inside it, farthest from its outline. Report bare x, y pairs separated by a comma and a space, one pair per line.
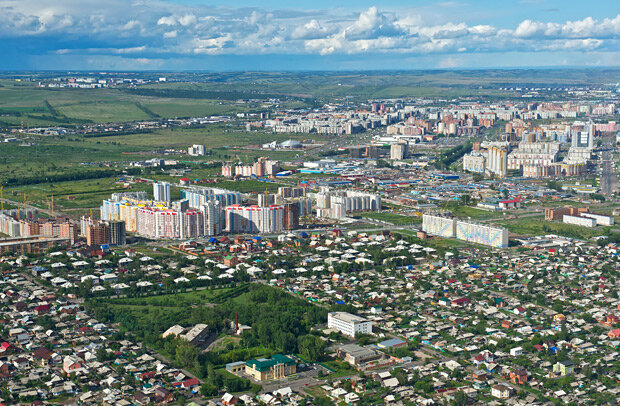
25, 103
537, 226
186, 299
248, 186
476, 214
103, 112
71, 195
442, 243
393, 218
191, 108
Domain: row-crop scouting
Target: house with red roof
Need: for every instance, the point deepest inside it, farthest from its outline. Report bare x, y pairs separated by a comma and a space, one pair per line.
5, 347
190, 383
610, 320
42, 309
614, 333
461, 302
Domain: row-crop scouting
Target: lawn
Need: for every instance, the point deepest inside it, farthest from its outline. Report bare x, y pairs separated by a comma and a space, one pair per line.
340, 369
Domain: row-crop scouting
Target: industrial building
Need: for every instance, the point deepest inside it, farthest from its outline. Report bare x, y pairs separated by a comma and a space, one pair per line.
32, 244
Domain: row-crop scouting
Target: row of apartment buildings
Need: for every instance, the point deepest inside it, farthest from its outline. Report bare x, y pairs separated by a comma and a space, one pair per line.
448, 227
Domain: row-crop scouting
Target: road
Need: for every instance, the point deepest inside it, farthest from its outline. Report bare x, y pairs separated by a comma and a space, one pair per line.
609, 177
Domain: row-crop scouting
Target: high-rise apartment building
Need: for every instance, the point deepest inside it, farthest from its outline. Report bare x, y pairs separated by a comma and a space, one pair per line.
161, 192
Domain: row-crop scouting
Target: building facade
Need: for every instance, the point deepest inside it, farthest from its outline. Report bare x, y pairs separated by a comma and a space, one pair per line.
349, 324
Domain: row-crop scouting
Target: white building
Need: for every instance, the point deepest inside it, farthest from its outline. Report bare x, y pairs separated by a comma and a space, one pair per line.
579, 220
497, 162
601, 219
475, 162
161, 192
438, 225
349, 324
254, 219
196, 150
399, 151
482, 234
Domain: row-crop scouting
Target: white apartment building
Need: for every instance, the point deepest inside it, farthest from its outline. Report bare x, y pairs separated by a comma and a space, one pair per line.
475, 162
348, 324
161, 192
196, 150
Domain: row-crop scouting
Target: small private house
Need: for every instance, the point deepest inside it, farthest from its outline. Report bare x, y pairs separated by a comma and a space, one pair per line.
500, 391
277, 367
515, 352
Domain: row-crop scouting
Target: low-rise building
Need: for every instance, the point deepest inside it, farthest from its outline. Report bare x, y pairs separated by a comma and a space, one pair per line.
277, 367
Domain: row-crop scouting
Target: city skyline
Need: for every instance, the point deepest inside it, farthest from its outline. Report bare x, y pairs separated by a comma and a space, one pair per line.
191, 35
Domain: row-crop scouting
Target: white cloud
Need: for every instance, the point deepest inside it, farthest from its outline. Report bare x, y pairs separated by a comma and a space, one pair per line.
168, 20
138, 31
311, 30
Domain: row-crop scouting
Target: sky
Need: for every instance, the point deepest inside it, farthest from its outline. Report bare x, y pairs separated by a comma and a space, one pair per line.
272, 35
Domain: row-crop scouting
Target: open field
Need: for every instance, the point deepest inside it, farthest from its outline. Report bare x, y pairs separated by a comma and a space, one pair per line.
474, 213
217, 93
538, 226
22, 102
71, 195
440, 243
53, 155
247, 186
393, 218
187, 299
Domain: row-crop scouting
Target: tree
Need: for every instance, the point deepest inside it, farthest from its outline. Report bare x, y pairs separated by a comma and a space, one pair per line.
460, 399
208, 390
311, 348
102, 355
186, 354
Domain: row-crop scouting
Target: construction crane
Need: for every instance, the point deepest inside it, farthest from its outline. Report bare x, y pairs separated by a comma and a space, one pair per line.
1, 197
445, 206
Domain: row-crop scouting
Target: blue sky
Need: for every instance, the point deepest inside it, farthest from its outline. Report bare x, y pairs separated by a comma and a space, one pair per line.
318, 35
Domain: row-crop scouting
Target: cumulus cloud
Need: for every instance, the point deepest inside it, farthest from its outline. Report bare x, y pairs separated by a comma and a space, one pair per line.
167, 30
311, 30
